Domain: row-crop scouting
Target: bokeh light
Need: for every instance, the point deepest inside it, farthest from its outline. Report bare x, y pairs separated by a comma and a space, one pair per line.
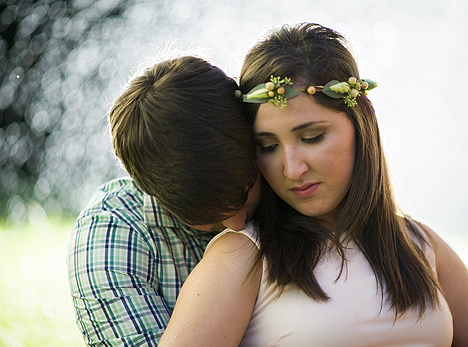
63, 62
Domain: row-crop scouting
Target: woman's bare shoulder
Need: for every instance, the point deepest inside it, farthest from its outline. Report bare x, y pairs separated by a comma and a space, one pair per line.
453, 277
217, 299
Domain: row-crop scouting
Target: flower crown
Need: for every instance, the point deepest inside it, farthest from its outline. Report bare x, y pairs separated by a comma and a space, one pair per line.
278, 91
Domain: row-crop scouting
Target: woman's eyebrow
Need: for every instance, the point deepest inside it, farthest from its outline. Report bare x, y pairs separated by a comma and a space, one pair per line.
306, 125
296, 128
263, 133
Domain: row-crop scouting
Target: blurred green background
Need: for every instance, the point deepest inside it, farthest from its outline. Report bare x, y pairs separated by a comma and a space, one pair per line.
62, 63
35, 308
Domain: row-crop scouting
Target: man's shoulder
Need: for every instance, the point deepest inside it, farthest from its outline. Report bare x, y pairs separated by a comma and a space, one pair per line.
122, 201
119, 199
118, 193
120, 211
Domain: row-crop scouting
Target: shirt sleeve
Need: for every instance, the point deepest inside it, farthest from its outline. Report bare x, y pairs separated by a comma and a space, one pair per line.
112, 273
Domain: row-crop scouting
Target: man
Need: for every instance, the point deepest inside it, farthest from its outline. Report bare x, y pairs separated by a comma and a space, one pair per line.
180, 131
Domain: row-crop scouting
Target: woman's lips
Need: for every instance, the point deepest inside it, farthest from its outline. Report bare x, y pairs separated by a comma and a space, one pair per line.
305, 190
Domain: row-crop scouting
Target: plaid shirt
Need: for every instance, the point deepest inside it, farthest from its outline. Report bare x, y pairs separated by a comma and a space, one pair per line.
127, 260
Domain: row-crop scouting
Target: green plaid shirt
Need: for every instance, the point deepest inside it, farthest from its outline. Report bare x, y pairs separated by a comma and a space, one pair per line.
127, 260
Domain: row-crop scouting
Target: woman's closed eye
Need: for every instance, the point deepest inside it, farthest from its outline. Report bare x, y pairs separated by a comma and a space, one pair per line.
270, 147
313, 139
267, 148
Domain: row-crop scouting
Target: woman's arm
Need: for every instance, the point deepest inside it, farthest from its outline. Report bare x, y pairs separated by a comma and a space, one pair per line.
217, 299
453, 277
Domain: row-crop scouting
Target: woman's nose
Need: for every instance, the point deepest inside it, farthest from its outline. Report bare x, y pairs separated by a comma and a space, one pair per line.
294, 165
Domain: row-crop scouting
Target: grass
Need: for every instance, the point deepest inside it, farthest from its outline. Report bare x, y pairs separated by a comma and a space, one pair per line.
35, 307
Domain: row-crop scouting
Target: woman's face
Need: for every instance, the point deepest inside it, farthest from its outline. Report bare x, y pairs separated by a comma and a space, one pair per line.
306, 153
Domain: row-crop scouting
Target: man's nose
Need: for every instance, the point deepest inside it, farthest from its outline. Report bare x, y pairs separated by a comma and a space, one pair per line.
237, 221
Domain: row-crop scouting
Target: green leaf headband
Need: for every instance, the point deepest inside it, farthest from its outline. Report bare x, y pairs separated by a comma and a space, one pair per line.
278, 91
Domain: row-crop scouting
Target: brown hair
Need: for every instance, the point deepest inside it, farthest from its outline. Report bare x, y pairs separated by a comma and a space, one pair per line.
292, 243
183, 136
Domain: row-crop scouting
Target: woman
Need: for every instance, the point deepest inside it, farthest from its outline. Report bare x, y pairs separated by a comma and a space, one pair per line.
330, 261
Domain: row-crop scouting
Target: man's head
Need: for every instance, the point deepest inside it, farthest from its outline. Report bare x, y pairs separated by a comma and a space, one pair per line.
183, 136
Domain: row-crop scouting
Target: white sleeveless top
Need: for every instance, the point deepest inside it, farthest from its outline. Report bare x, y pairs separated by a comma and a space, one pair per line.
353, 316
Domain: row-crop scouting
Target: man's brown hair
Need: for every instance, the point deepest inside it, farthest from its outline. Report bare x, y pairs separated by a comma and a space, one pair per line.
183, 136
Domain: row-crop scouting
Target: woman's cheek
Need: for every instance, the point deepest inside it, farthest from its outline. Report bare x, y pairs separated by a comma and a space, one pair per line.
272, 172
264, 165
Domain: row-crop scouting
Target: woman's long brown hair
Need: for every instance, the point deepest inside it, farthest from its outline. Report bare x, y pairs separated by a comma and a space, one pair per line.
292, 243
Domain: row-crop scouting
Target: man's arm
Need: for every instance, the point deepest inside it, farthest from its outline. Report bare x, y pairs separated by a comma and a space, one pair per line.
216, 302
114, 284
